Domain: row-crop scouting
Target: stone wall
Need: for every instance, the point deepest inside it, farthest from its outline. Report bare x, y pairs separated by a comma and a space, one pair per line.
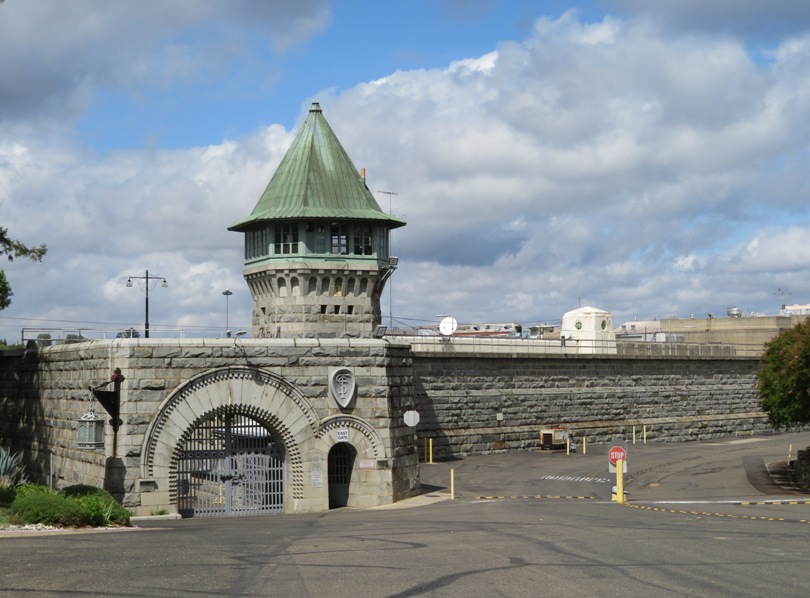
473, 395
480, 402
44, 391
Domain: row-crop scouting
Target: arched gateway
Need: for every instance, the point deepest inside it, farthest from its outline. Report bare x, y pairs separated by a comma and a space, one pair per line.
243, 440
229, 442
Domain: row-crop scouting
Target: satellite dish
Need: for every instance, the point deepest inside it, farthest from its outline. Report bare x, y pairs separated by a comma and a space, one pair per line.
448, 326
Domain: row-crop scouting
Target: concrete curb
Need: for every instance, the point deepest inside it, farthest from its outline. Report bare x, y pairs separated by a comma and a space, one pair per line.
417, 501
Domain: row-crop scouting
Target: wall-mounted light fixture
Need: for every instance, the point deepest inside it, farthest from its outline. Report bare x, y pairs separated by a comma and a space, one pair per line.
91, 430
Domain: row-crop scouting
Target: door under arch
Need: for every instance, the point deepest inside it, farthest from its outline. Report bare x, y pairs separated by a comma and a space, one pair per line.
340, 464
230, 465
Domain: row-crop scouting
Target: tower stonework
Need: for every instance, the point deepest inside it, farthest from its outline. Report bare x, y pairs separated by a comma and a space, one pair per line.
317, 243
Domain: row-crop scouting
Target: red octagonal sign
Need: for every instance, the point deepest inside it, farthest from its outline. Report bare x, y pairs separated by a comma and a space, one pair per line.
615, 453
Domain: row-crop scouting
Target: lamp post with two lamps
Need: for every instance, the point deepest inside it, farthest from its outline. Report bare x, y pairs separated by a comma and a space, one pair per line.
147, 278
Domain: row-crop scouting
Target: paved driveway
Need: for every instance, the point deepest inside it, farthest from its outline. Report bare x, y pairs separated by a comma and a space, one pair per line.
703, 520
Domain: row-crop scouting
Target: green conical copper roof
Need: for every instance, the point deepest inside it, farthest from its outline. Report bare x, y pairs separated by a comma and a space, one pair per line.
316, 179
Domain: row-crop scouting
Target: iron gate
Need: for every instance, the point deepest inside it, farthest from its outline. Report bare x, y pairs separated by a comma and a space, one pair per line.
231, 465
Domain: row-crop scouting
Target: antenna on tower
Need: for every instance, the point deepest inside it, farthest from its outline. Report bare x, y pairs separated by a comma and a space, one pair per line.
389, 194
780, 292
390, 249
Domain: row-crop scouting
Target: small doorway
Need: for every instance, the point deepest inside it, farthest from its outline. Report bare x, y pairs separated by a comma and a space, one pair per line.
340, 464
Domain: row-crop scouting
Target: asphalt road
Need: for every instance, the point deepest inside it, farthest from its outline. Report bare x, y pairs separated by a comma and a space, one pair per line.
702, 519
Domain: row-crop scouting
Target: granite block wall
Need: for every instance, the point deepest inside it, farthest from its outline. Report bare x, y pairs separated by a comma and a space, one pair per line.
492, 402
44, 391
469, 401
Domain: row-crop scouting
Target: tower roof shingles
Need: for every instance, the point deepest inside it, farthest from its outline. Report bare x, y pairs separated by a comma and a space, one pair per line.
316, 179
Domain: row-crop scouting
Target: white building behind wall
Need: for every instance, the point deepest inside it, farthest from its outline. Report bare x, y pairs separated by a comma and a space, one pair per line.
591, 329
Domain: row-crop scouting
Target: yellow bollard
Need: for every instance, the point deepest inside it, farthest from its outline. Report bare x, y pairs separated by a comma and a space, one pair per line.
634, 434
584, 445
645, 433
452, 484
431, 451
790, 454
567, 445
620, 481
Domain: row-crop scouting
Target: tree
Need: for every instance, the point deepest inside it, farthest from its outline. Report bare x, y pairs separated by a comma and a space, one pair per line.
784, 379
13, 249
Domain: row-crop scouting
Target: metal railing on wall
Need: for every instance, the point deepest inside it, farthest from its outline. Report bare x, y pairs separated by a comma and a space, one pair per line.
582, 346
59, 336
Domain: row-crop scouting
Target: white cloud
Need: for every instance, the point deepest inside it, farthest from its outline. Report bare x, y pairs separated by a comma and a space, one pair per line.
57, 55
750, 18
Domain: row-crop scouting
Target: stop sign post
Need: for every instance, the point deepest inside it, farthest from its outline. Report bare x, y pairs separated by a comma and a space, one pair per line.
616, 454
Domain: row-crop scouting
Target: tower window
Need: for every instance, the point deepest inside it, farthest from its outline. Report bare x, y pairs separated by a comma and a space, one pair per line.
316, 237
340, 238
362, 240
382, 242
285, 240
257, 243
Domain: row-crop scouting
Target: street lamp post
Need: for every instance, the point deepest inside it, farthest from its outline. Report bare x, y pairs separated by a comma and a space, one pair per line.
147, 278
227, 293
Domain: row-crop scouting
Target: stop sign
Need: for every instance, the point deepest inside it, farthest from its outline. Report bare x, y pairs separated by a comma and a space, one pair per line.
615, 453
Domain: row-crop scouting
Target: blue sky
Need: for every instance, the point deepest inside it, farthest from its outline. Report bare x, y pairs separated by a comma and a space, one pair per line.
360, 41
645, 158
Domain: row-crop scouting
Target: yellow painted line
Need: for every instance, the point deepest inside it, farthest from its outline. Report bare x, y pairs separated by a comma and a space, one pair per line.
701, 514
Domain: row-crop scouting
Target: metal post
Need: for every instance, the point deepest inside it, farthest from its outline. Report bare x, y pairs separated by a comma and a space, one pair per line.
227, 293
146, 326
147, 278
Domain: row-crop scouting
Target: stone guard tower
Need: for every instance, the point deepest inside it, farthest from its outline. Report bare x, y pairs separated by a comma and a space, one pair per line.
317, 243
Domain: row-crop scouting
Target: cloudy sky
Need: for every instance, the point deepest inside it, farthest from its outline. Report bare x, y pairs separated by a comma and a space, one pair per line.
545, 154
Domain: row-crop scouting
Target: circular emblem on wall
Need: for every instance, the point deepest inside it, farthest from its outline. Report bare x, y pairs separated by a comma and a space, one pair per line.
604, 324
578, 325
342, 386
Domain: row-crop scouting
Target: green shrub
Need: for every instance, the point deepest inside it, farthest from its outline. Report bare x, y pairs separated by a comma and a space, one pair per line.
32, 489
102, 509
7, 495
80, 490
49, 509
79, 505
99, 505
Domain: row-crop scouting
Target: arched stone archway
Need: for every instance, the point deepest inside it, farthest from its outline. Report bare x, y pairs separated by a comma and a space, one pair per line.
362, 435
262, 395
